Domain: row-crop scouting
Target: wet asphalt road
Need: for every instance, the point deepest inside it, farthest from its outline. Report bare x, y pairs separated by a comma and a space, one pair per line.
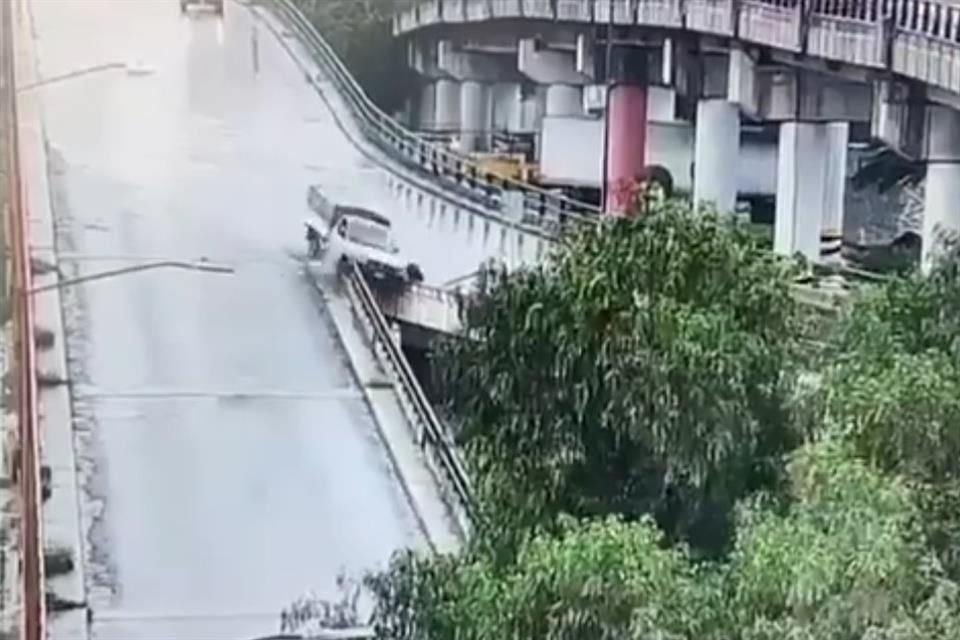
228, 461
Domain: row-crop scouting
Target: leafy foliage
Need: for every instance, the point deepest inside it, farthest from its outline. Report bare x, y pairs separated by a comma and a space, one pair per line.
600, 579
311, 614
846, 556
360, 31
658, 460
894, 391
644, 369
843, 559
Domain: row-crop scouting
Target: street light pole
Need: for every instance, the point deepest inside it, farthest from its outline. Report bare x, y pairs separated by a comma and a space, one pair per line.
149, 266
608, 71
82, 72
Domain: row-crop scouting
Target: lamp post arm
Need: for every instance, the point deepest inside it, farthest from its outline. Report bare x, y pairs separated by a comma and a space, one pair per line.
112, 273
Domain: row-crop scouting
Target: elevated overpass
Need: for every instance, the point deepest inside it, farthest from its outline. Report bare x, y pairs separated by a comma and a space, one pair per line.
813, 67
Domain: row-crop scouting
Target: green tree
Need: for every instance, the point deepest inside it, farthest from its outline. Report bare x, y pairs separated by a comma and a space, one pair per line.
644, 368
840, 557
847, 554
361, 32
893, 390
642, 375
603, 579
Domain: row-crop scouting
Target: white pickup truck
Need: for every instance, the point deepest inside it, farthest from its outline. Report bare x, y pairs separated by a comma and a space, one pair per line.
216, 5
346, 233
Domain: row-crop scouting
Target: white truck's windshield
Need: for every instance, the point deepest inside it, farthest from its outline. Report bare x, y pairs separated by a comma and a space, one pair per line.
368, 234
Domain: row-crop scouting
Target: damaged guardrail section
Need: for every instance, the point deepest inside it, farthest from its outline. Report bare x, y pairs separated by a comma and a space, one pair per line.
432, 436
20, 303
517, 201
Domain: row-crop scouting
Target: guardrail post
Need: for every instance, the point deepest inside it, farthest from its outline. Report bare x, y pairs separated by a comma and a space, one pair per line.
889, 30
491, 187
472, 176
421, 156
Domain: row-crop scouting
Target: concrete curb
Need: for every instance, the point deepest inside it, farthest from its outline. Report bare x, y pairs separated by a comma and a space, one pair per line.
412, 469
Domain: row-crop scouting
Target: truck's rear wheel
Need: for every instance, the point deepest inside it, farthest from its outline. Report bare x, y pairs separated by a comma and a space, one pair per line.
343, 266
414, 273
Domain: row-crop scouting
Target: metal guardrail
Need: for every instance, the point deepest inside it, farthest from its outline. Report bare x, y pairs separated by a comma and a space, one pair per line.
534, 207
432, 435
33, 597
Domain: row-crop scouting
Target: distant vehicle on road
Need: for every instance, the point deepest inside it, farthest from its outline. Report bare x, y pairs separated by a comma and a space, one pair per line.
217, 5
347, 233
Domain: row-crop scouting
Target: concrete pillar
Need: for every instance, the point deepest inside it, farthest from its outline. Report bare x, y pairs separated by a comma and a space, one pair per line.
564, 100
716, 151
835, 189
474, 115
941, 207
447, 93
811, 181
427, 108
532, 107
506, 106
626, 144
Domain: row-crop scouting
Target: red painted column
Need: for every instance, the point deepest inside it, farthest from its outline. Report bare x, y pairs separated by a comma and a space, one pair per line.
626, 144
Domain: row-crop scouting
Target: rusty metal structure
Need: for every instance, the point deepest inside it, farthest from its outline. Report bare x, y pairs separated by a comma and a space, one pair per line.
19, 302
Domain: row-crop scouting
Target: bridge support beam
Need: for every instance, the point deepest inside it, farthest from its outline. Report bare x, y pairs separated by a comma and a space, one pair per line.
548, 65
941, 209
562, 71
811, 184
716, 147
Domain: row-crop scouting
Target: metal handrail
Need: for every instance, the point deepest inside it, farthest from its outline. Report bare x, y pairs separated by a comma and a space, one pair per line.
430, 430
930, 15
539, 207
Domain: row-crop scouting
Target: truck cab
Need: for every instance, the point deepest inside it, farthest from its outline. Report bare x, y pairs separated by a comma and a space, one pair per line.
347, 234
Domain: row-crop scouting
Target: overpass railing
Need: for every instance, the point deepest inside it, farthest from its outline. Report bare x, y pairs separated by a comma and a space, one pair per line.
432, 436
518, 203
919, 39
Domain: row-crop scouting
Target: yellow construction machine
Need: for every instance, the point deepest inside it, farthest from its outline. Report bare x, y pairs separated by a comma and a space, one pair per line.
510, 166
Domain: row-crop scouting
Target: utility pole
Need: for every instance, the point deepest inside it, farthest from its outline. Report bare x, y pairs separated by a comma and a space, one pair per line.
608, 79
255, 49
7, 97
